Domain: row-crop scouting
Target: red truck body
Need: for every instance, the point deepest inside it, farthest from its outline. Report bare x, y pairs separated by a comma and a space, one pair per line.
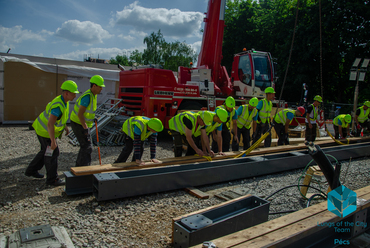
155, 92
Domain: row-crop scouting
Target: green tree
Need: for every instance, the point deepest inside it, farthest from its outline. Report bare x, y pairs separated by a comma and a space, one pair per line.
136, 57
120, 59
153, 52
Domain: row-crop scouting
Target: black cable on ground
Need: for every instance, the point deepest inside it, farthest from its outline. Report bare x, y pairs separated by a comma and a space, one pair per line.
284, 212
291, 186
312, 197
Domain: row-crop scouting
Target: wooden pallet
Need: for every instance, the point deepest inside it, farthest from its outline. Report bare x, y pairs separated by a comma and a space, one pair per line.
286, 230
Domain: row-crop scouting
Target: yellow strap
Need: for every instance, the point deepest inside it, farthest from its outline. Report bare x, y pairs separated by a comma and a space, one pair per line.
206, 157
336, 141
254, 146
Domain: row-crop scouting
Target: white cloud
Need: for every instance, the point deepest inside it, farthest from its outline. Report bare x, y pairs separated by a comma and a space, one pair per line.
133, 35
196, 46
15, 35
171, 22
82, 32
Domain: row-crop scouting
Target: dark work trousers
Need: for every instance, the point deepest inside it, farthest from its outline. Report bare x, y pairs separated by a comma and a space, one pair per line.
283, 136
226, 138
179, 139
245, 133
50, 162
126, 151
84, 155
261, 129
336, 132
311, 132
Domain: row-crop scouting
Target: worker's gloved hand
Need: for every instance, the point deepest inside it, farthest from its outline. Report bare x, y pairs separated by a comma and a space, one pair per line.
86, 132
95, 120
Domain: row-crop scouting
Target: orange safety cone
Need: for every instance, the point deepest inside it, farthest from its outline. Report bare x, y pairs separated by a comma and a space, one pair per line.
97, 139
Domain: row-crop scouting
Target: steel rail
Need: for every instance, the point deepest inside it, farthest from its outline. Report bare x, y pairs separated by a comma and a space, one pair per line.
107, 186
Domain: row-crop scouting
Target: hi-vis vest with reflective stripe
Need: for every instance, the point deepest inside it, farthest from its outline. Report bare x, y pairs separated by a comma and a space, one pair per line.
90, 110
176, 123
245, 119
41, 123
281, 117
265, 112
209, 128
314, 113
341, 118
363, 115
129, 125
228, 122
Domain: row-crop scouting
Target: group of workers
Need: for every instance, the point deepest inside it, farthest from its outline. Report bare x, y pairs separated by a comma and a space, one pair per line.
192, 128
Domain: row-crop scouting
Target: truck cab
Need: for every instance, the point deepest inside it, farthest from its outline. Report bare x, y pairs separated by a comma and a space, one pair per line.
252, 72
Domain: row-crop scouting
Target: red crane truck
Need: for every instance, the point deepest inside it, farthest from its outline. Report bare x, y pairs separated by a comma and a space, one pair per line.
155, 92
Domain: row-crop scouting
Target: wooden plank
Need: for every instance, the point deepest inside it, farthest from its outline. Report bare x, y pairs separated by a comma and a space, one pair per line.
197, 193
93, 169
292, 225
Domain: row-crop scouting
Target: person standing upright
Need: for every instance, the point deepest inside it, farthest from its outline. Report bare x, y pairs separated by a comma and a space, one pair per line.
264, 109
362, 117
82, 119
247, 115
311, 118
229, 106
50, 125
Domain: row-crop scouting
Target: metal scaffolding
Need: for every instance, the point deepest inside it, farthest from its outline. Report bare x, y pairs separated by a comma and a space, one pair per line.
109, 122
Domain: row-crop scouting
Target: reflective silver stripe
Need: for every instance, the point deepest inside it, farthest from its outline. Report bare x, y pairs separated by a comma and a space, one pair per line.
90, 111
42, 123
244, 122
89, 119
129, 126
128, 129
264, 111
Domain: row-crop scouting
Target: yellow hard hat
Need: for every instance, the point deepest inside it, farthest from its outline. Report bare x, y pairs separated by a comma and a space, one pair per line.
230, 102
269, 90
347, 118
207, 118
155, 124
71, 86
253, 102
98, 80
222, 114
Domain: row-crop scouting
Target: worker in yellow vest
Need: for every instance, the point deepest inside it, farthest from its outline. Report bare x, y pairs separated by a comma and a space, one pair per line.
247, 115
362, 117
264, 108
137, 130
218, 117
50, 125
311, 118
229, 106
183, 126
341, 126
281, 123
82, 119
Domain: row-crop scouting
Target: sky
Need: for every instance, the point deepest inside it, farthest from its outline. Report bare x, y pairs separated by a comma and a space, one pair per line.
73, 29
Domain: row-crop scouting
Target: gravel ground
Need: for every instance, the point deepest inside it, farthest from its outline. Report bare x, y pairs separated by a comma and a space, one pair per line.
143, 221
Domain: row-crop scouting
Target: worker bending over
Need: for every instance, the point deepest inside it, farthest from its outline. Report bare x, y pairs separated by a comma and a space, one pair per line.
362, 117
282, 121
311, 118
183, 126
247, 114
82, 119
229, 106
137, 130
218, 118
341, 126
264, 108
50, 125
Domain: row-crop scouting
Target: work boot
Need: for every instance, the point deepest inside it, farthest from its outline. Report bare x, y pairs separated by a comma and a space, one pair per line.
57, 182
35, 175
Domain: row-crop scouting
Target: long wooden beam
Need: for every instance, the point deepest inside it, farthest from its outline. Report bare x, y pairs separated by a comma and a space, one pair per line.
94, 169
